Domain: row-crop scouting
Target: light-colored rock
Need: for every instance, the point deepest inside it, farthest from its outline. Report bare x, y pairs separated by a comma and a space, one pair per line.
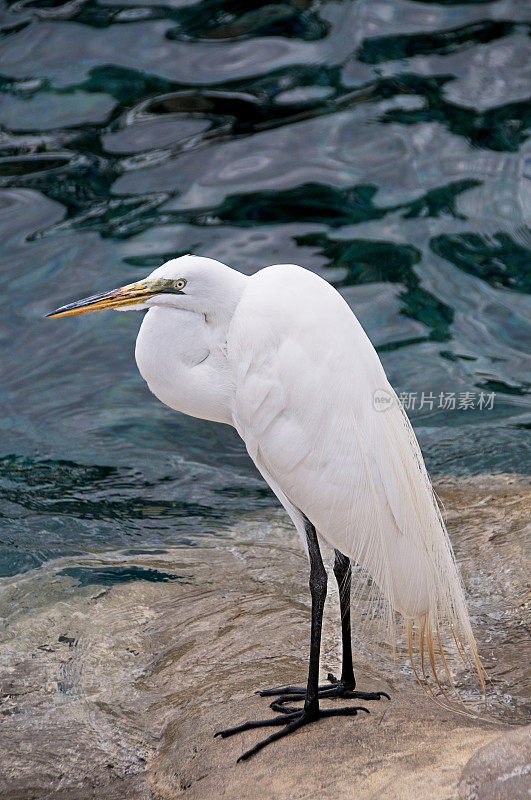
115, 691
501, 770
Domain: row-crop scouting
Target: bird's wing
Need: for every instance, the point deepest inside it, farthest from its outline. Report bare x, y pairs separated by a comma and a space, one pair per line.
305, 381
305, 378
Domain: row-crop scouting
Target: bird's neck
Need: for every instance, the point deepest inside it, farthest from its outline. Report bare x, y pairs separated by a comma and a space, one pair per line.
220, 313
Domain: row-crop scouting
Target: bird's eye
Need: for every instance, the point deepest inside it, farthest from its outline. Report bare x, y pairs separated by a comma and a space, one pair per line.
180, 284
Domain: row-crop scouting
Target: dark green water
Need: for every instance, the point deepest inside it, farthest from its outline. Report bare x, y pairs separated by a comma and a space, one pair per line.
381, 144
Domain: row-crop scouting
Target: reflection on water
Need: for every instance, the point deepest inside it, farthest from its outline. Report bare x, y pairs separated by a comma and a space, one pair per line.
380, 144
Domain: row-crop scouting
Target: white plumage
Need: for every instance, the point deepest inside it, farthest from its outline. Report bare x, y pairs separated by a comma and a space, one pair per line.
304, 405
281, 357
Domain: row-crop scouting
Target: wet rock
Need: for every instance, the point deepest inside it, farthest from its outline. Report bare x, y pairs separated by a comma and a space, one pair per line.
116, 694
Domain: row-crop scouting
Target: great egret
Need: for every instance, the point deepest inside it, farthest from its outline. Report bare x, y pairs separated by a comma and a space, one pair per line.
281, 357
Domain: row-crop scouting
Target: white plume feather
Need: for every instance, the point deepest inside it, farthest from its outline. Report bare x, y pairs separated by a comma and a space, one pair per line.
305, 380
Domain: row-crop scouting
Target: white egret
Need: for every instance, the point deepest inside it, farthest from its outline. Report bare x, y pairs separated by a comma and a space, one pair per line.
281, 357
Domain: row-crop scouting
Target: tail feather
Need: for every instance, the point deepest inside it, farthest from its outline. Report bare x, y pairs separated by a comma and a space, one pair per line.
453, 700
392, 454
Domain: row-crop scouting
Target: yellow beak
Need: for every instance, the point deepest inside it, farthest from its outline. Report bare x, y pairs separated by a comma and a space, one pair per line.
125, 296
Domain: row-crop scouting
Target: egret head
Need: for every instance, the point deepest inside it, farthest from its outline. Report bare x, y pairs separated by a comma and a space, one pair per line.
193, 283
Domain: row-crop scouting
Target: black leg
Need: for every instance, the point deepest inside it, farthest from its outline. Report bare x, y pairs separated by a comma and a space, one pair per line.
318, 586
346, 685
343, 573
293, 719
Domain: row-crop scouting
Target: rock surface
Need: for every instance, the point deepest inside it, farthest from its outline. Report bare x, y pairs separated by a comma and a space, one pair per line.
501, 770
114, 685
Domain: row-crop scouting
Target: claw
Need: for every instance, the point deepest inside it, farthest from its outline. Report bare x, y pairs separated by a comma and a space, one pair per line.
289, 722
290, 718
335, 689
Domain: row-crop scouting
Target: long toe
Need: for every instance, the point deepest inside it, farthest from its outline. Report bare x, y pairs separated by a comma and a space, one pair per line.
336, 689
350, 711
279, 703
288, 723
293, 726
282, 690
355, 695
260, 723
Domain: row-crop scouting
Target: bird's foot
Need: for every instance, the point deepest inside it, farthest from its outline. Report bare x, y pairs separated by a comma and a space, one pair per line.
336, 688
288, 722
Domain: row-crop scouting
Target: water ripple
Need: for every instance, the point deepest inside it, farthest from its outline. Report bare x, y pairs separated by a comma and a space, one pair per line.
380, 144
